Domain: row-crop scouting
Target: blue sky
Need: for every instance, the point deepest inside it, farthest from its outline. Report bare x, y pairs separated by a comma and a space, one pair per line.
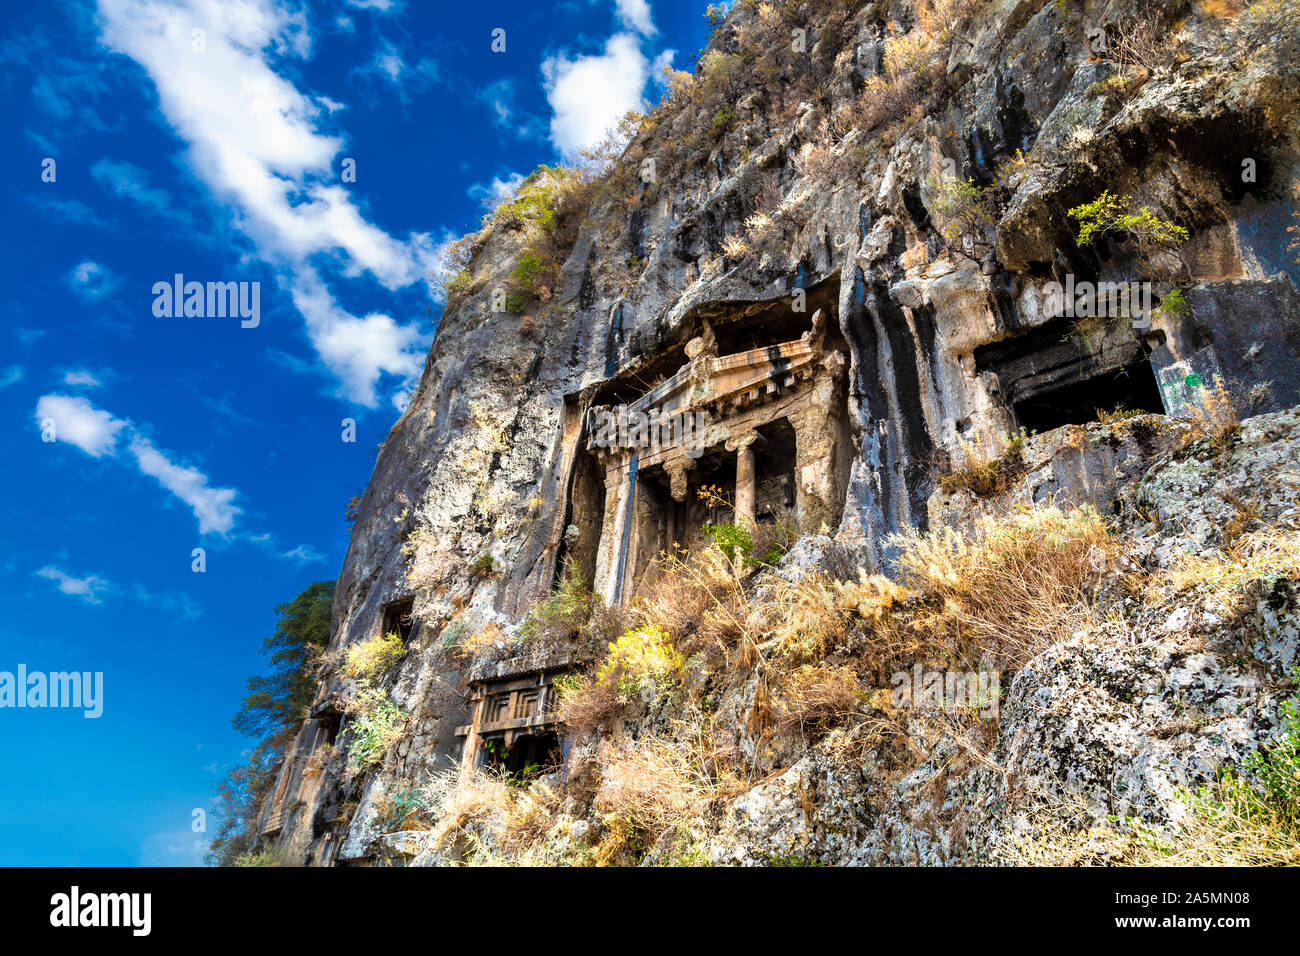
147, 138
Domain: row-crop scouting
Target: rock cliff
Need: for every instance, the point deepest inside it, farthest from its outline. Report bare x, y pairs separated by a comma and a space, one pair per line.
852, 244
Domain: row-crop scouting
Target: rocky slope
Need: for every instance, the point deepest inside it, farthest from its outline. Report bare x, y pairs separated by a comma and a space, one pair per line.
910, 172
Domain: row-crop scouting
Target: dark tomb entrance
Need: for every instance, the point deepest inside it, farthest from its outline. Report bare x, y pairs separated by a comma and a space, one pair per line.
1131, 388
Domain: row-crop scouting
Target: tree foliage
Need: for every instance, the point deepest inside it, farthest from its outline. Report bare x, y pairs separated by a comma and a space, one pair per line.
271, 713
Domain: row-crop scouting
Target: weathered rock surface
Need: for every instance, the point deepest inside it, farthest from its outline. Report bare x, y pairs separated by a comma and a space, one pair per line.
469, 502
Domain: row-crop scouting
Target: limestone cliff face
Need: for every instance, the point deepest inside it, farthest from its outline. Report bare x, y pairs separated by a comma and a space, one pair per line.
476, 495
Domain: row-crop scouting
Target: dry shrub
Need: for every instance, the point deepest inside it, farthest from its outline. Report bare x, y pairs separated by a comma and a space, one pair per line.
1221, 9
323, 757
984, 476
481, 811
885, 100
484, 639
1215, 416
1269, 554
1014, 586
368, 659
699, 599
1143, 41
806, 617
814, 699
640, 657
655, 784
585, 705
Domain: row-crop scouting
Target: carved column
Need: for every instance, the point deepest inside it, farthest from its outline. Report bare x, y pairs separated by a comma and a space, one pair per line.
816, 490
618, 487
746, 480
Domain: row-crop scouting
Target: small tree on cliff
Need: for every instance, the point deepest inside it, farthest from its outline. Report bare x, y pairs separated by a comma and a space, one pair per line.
271, 714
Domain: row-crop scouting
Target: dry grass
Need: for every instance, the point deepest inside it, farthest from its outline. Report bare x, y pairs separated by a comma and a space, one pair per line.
815, 699
807, 618
480, 641
1011, 588
587, 705
1269, 554
484, 816
983, 476
657, 784
699, 598
1215, 416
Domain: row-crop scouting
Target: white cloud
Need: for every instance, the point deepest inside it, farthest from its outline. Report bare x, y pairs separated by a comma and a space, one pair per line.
80, 377
174, 848
590, 94
95, 432
131, 182
636, 15
497, 191
356, 350
255, 140
90, 589
80, 423
303, 554
214, 507
91, 280
11, 375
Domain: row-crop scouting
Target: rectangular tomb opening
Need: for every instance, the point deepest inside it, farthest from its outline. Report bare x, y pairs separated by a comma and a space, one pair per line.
399, 619
1131, 387
1066, 372
512, 725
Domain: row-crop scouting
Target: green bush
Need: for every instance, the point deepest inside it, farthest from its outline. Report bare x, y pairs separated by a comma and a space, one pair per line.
1110, 215
370, 658
564, 611
640, 655
402, 809
269, 857
377, 724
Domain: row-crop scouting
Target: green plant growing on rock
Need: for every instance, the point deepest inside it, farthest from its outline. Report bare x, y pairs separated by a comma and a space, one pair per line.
1175, 304
639, 656
564, 611
369, 659
484, 566
1111, 215
377, 724
401, 809
258, 858
1250, 817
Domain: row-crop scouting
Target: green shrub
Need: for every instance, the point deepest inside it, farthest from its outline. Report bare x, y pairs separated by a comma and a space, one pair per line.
402, 809
266, 857
369, 659
564, 611
1109, 215
1175, 304
377, 724
641, 655
1250, 817
731, 539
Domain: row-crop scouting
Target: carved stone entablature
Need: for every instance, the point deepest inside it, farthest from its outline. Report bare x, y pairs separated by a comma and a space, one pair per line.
764, 429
